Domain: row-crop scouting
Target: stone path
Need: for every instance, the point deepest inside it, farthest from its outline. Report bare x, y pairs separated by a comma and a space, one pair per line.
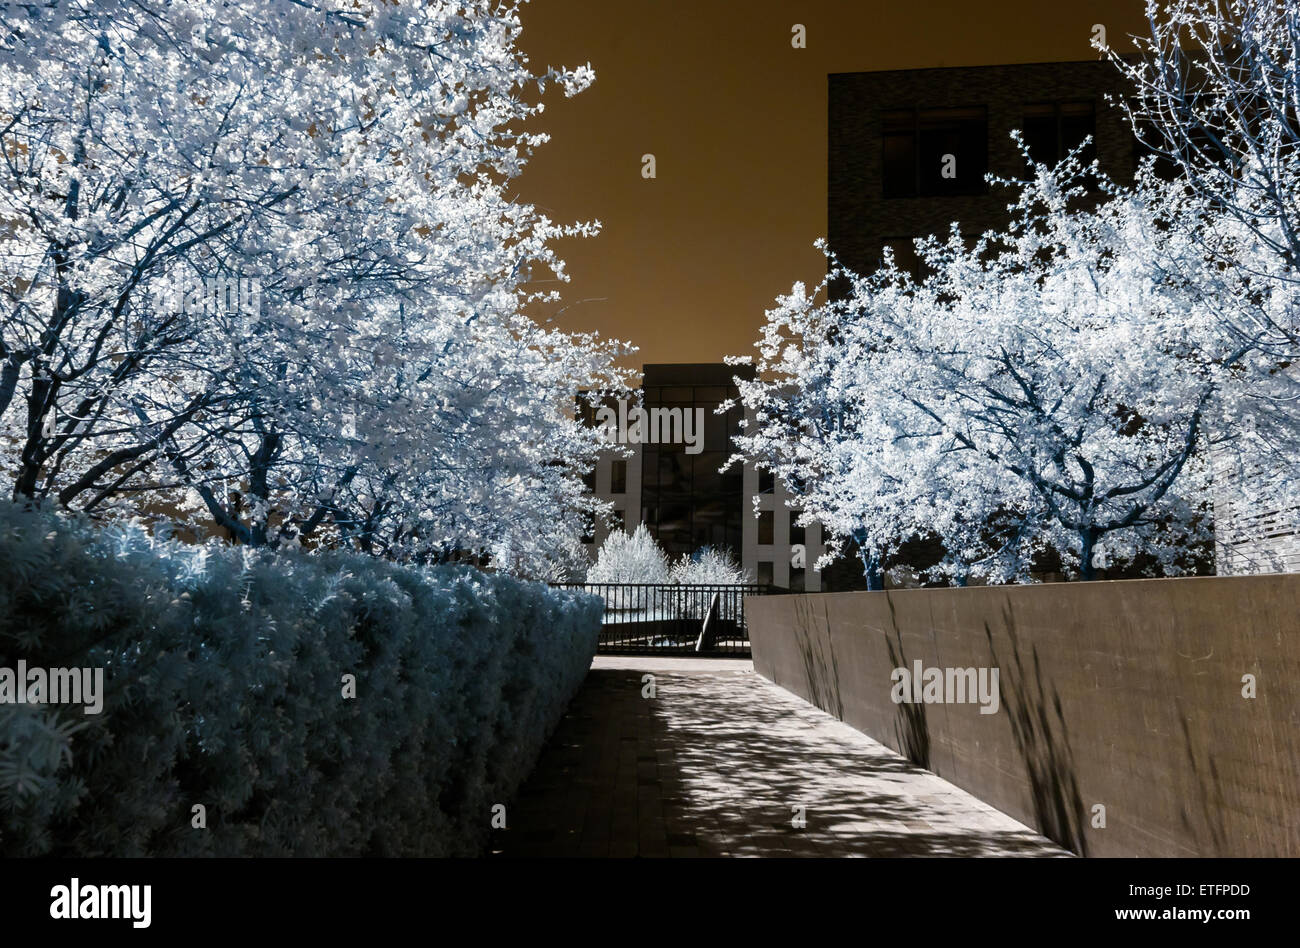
714, 765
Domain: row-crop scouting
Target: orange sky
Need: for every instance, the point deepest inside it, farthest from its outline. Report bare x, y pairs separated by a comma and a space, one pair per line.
736, 118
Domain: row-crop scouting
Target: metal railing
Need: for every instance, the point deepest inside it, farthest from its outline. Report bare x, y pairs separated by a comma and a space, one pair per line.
664, 618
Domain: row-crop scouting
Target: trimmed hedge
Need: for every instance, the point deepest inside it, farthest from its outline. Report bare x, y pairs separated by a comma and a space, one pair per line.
224, 687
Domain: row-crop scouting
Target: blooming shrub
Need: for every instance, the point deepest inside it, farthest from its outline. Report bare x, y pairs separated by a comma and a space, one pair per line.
710, 566
224, 687
634, 557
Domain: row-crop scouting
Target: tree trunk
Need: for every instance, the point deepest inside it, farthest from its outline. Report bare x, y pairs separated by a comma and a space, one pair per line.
1088, 538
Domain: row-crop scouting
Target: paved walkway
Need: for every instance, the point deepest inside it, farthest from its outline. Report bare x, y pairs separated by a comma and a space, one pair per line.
714, 765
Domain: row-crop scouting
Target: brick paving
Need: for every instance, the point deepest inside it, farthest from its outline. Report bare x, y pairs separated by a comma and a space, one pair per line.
714, 765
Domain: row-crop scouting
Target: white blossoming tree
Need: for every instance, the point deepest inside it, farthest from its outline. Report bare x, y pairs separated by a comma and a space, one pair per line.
1215, 92
1042, 396
348, 160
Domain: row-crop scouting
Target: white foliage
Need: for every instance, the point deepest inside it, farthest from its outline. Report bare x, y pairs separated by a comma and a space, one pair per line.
630, 558
1216, 86
352, 161
1045, 391
708, 566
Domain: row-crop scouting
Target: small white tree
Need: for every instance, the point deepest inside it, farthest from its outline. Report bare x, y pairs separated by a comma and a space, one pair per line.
630, 558
708, 566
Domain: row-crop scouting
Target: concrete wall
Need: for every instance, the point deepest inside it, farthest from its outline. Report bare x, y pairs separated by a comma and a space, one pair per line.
1124, 694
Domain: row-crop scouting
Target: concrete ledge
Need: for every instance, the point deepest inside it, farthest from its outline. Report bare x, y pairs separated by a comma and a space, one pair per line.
1125, 695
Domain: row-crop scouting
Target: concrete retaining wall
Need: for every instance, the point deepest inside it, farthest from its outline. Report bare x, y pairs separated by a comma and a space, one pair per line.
1126, 695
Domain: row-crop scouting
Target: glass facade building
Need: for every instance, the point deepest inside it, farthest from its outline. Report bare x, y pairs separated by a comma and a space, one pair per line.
677, 488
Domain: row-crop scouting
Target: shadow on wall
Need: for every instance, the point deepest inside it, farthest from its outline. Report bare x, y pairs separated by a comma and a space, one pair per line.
1040, 732
1210, 798
911, 730
820, 664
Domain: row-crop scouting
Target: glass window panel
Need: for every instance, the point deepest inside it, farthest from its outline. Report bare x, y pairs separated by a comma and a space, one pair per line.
732, 534
709, 524
707, 480
650, 468
1074, 129
715, 432
899, 171
733, 483
905, 256
1040, 137
952, 151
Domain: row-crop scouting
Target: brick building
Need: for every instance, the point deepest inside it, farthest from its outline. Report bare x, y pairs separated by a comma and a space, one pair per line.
908, 150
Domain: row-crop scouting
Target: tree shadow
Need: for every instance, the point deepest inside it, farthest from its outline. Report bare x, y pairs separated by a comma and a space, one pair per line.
911, 730
821, 667
1039, 728
1209, 795
719, 764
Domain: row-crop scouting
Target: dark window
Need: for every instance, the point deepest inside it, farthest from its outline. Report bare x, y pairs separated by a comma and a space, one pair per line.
590, 480
905, 256
765, 574
898, 146
932, 152
670, 478
766, 482
1052, 130
732, 483
674, 533
766, 522
649, 467
618, 476
796, 579
796, 531
707, 479
716, 433
709, 526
